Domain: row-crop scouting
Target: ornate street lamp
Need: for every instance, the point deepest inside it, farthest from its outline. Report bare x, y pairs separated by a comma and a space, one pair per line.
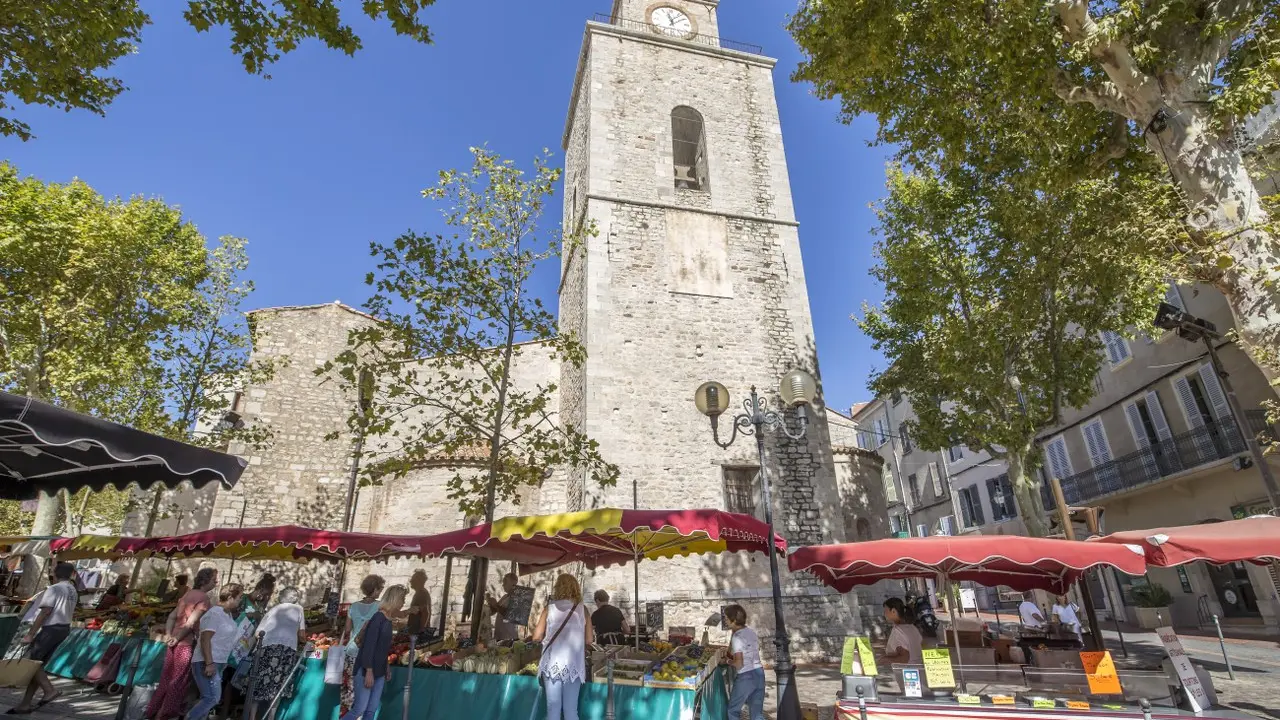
797, 390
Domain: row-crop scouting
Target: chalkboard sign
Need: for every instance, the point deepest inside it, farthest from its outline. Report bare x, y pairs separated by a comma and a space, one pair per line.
653, 616
331, 604
724, 618
519, 605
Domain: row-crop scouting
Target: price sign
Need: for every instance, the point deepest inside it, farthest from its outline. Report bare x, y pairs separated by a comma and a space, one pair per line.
1077, 705
1043, 704
857, 658
937, 668
653, 616
331, 604
1100, 670
519, 605
968, 699
1002, 699
1196, 695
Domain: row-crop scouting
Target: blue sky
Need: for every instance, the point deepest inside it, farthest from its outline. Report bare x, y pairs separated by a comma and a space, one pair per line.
333, 151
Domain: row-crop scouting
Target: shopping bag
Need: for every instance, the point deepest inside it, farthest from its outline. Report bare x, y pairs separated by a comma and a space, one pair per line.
139, 699
334, 664
18, 673
106, 669
244, 638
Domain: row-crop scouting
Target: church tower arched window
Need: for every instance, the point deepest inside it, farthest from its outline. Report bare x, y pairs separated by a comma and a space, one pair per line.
689, 149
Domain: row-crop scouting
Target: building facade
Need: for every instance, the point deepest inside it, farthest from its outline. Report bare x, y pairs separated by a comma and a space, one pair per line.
673, 150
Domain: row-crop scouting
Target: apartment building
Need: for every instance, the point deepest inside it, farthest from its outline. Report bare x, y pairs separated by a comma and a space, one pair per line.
917, 491
1158, 446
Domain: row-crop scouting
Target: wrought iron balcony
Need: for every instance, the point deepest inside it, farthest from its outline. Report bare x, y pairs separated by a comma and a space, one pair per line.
707, 40
1216, 441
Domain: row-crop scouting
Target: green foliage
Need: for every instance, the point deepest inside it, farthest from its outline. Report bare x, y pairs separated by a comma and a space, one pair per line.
87, 286
117, 309
55, 51
455, 315
1152, 595
994, 306
13, 520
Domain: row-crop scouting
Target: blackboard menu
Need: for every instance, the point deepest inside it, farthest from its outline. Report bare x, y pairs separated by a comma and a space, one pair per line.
724, 618
519, 605
653, 617
331, 604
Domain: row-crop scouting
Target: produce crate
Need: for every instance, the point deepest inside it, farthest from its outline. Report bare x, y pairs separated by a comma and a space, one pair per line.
625, 671
712, 657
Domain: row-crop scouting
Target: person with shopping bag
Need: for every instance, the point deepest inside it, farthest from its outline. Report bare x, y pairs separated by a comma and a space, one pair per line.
358, 614
372, 669
563, 667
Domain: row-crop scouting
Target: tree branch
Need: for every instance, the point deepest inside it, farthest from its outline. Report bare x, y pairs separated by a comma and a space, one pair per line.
1140, 93
1102, 95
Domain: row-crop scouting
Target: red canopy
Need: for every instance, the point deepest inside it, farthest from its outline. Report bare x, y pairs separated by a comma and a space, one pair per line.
603, 537
287, 541
1021, 563
1255, 538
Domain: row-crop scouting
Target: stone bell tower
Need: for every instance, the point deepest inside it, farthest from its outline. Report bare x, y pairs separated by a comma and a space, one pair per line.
673, 149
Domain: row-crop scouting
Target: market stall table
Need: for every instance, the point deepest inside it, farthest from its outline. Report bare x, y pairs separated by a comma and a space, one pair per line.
449, 695
82, 649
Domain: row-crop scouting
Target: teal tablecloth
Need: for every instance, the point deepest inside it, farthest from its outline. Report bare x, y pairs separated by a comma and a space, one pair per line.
437, 694
77, 655
445, 695
8, 626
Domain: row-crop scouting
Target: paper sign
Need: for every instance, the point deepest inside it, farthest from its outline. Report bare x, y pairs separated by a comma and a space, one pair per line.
911, 683
857, 658
968, 598
969, 699
867, 657
1002, 699
1077, 705
937, 668
1196, 696
848, 658
1100, 669
1043, 704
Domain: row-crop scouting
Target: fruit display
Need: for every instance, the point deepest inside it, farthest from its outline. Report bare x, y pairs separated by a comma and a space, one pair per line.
499, 660
321, 641
684, 668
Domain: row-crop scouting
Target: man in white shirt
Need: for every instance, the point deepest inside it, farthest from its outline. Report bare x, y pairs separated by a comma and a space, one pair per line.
1030, 612
52, 625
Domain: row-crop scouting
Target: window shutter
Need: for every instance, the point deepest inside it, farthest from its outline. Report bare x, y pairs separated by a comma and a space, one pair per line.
922, 530
975, 498
937, 480
948, 524
1095, 437
1059, 461
1188, 400
997, 509
1157, 416
1135, 425
1117, 348
1213, 389
1173, 296
1010, 502
890, 487
966, 513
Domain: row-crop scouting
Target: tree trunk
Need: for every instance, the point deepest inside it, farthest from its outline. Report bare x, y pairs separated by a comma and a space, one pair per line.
1027, 491
1224, 204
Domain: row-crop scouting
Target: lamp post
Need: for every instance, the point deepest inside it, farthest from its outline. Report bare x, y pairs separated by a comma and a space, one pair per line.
1194, 329
797, 390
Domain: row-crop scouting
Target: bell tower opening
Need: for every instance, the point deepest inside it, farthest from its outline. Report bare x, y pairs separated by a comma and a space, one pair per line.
689, 149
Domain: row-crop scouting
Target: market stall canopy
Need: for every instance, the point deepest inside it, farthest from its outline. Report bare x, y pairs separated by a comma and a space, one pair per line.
97, 547
1021, 563
608, 536
286, 542
43, 447
1254, 539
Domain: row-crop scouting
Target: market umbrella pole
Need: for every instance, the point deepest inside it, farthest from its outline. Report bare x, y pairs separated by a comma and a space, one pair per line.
444, 596
636, 625
1064, 515
408, 677
955, 629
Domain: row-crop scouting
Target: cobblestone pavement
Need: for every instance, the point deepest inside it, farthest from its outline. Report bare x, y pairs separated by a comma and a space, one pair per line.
1256, 689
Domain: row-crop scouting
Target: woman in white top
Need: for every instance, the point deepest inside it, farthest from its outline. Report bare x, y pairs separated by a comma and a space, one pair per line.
357, 615
565, 633
905, 645
282, 631
217, 636
744, 655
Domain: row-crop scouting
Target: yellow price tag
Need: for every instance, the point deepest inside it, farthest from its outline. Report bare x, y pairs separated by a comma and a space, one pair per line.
1043, 704
1077, 705
937, 668
968, 699
1002, 699
867, 657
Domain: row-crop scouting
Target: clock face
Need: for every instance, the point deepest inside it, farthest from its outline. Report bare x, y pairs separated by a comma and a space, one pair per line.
671, 22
